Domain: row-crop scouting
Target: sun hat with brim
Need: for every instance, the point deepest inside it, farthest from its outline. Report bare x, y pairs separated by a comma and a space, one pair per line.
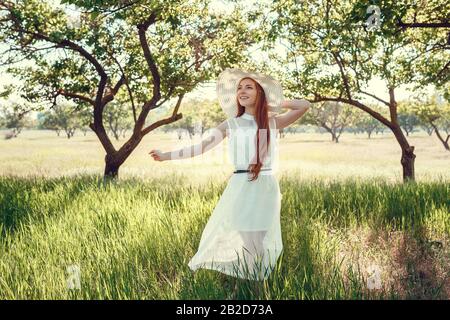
228, 82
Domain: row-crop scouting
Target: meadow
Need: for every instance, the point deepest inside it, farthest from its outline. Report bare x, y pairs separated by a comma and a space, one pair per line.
351, 229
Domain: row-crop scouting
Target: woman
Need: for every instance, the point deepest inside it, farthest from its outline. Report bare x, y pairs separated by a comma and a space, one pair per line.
243, 236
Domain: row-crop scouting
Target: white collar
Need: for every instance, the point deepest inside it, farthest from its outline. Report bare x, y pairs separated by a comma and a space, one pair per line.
247, 116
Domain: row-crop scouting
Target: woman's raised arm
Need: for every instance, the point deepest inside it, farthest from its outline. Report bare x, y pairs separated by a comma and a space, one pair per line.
298, 108
217, 135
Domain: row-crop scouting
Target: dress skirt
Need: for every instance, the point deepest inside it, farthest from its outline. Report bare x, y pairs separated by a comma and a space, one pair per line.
243, 235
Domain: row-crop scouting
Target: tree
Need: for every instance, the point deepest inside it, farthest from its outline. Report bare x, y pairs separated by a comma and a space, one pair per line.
426, 127
61, 117
434, 14
437, 117
199, 115
332, 116
425, 24
366, 123
156, 51
209, 113
14, 117
332, 55
47, 120
407, 120
185, 125
119, 118
85, 115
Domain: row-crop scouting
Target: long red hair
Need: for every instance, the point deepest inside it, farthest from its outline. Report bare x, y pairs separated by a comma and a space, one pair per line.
262, 120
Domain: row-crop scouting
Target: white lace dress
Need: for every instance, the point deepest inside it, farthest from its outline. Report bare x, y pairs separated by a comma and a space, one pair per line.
243, 235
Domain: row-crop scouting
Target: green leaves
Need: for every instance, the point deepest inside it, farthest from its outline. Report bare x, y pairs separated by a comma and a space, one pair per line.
188, 43
336, 48
57, 36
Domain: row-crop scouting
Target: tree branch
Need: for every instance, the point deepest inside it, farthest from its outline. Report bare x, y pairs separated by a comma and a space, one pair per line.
392, 105
443, 70
375, 97
130, 93
110, 96
359, 105
343, 75
174, 117
74, 96
142, 28
445, 24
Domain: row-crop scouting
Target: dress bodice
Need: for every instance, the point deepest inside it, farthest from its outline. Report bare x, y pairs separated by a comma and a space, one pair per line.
242, 142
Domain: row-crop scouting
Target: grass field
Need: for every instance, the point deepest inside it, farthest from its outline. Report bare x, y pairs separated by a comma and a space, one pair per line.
307, 155
348, 222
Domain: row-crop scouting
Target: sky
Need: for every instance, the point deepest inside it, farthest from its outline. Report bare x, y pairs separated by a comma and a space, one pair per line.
208, 90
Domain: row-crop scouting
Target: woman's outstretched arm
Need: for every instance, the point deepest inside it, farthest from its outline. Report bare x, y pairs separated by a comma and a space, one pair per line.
298, 108
217, 135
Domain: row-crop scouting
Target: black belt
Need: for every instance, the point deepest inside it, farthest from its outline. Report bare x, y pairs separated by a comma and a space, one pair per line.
241, 171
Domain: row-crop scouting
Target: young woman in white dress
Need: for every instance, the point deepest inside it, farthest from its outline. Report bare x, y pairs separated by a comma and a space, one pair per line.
243, 236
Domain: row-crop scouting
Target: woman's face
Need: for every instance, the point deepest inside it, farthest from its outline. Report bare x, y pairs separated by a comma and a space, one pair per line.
246, 93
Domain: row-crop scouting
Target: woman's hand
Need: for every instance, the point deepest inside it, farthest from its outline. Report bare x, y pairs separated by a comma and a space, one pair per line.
158, 155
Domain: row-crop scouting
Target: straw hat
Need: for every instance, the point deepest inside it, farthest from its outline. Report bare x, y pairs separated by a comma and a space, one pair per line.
228, 82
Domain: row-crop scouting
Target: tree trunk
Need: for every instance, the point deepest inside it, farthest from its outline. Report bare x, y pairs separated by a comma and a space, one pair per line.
111, 168
407, 162
408, 156
444, 142
111, 171
328, 129
334, 137
114, 160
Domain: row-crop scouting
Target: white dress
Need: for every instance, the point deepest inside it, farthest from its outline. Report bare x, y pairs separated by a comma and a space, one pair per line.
243, 235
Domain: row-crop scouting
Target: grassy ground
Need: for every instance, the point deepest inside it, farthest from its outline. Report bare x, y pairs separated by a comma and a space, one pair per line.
347, 220
306, 155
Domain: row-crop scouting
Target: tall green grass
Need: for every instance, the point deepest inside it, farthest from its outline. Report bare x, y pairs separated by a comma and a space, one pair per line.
132, 239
